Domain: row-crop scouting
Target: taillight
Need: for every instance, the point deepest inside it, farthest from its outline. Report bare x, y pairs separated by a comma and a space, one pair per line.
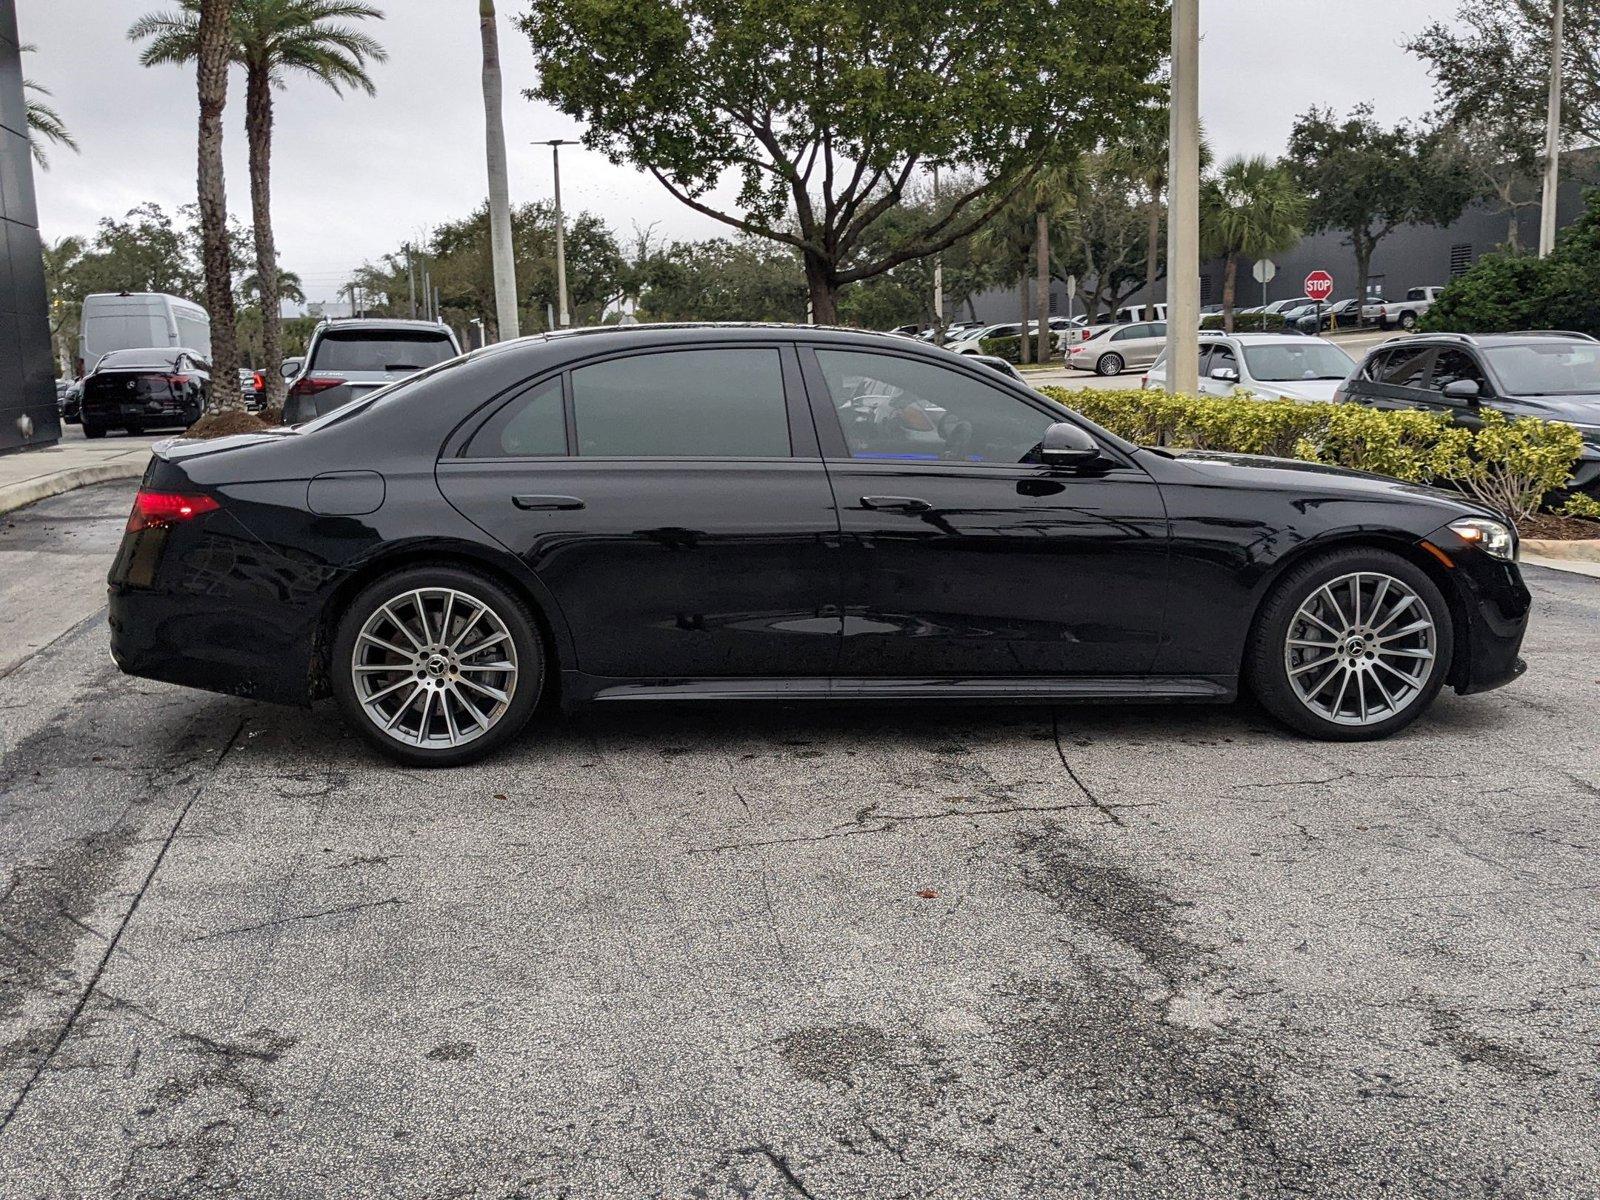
1085, 336
258, 382
312, 384
151, 510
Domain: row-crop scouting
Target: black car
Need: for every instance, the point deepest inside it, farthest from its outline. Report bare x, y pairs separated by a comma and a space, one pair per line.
1552, 376
778, 512
154, 388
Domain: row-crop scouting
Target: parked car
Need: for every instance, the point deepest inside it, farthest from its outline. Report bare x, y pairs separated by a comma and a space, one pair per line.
1405, 314
348, 358
72, 403
1117, 348
149, 388
1313, 318
1551, 376
138, 320
1131, 313
655, 513
1272, 366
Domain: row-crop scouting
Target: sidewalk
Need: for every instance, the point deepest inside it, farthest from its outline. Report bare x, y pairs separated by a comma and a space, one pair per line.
27, 476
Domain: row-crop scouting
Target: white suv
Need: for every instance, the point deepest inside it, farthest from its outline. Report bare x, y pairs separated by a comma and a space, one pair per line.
349, 358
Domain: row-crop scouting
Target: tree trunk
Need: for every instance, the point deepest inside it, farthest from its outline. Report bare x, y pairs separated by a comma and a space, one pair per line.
1041, 250
505, 265
822, 287
1513, 238
214, 51
1230, 278
1363, 270
1024, 346
258, 129
1152, 265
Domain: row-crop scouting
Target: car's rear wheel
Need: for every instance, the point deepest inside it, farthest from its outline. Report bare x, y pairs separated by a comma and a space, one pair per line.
437, 665
91, 430
1408, 320
1351, 646
1109, 364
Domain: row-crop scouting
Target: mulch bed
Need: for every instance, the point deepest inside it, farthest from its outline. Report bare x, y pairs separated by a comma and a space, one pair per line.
1559, 529
225, 424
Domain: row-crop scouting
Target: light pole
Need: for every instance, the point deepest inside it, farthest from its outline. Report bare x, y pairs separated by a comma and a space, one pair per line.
564, 314
1552, 140
1183, 202
938, 272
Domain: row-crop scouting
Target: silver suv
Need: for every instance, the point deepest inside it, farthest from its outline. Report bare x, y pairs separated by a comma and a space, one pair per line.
349, 358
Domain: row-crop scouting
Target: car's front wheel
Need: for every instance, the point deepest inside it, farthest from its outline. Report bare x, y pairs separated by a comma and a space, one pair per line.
1351, 646
437, 665
1109, 364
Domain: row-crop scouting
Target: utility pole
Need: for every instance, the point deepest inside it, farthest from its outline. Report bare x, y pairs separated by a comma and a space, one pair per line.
1552, 139
938, 272
1183, 203
411, 276
564, 312
427, 293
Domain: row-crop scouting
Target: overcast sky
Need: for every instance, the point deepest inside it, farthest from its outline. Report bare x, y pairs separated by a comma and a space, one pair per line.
353, 177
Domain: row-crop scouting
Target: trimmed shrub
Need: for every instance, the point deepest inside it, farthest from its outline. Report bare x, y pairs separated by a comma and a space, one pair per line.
1508, 465
1008, 348
1246, 322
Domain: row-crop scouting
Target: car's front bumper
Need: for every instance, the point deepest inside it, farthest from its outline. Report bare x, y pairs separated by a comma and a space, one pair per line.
1490, 606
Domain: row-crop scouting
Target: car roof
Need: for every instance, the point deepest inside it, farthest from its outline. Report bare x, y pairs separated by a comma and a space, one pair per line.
1259, 339
1484, 341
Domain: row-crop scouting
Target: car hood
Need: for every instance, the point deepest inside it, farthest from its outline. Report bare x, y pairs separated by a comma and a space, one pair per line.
1292, 475
1318, 391
1583, 410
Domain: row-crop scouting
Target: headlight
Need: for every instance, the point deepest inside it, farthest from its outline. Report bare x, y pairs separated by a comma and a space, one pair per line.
1487, 535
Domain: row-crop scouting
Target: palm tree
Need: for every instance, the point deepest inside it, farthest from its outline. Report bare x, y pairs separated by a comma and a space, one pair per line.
289, 288
271, 39
44, 122
1251, 209
505, 266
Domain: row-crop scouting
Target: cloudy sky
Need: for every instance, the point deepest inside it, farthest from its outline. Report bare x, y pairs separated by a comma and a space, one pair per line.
355, 176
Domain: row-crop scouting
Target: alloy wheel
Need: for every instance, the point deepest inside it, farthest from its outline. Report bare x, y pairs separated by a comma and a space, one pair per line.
1361, 648
434, 668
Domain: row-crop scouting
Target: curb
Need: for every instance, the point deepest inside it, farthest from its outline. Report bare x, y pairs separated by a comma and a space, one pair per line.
19, 495
1577, 550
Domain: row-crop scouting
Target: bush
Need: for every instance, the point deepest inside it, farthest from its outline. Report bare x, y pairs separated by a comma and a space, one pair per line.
1508, 465
1246, 322
1515, 291
1008, 348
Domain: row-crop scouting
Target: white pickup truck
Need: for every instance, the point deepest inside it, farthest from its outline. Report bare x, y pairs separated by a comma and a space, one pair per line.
1406, 313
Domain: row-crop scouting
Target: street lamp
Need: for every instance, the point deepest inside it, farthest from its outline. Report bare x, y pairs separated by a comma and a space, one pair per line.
564, 315
1552, 141
1183, 202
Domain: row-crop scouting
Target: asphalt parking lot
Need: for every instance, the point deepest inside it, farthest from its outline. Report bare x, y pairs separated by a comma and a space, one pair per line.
787, 952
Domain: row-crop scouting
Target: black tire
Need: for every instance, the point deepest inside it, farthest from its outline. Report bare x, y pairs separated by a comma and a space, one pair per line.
512, 613
91, 430
1408, 320
1109, 364
1266, 671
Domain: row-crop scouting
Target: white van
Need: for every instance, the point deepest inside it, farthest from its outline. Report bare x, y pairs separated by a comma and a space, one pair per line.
1136, 312
136, 320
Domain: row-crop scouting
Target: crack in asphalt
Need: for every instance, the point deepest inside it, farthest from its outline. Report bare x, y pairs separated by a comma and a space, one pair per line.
310, 916
1094, 801
114, 941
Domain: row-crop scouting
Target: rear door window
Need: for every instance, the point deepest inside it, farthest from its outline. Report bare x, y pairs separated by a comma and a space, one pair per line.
683, 404
381, 351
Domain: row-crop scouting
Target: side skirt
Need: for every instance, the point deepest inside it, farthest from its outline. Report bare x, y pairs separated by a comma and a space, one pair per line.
579, 688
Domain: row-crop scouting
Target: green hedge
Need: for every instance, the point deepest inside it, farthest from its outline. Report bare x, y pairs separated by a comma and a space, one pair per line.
1008, 348
1246, 322
1509, 465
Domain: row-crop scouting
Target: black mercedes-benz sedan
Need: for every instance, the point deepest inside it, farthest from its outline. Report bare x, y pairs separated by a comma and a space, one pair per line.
777, 512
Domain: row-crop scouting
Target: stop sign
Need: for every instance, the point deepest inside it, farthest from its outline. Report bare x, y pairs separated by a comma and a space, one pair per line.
1319, 285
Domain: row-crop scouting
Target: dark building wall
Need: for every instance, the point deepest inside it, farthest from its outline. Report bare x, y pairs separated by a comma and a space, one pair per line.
28, 414
1411, 256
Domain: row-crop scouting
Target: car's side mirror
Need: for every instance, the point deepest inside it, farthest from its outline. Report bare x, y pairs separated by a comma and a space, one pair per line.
291, 367
1462, 391
1225, 374
1065, 445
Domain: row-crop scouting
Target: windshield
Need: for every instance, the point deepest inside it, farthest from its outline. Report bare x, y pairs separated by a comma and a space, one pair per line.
1297, 361
1548, 368
381, 350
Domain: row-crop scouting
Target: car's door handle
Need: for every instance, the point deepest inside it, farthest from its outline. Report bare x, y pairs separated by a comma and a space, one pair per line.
905, 504
546, 503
